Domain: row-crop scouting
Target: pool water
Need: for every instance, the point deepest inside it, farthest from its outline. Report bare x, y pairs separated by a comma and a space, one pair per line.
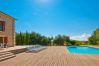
83, 50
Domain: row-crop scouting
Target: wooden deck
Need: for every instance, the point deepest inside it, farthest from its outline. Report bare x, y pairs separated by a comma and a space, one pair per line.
52, 56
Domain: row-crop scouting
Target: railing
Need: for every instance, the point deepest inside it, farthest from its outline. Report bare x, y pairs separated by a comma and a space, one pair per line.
3, 45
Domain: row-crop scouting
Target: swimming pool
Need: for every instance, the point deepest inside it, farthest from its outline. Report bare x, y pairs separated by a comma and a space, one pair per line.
83, 50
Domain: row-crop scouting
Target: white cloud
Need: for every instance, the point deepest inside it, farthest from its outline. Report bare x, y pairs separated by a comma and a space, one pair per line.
82, 37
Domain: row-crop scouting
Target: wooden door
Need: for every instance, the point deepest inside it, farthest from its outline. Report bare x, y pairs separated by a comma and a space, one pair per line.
1, 39
5, 39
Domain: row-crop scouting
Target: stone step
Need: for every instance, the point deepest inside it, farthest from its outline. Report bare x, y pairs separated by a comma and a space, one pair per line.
3, 53
6, 55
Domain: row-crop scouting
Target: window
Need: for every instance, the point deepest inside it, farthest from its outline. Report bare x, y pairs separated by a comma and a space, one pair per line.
1, 39
2, 25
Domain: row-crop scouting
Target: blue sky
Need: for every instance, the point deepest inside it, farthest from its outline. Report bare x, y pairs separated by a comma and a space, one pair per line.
52, 17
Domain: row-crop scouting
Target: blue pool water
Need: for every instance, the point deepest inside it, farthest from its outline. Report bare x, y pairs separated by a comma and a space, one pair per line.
83, 50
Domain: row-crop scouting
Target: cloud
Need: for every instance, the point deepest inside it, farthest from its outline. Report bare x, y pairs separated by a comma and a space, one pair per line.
82, 37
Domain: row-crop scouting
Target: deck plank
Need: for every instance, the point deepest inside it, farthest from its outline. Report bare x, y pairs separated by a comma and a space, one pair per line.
52, 56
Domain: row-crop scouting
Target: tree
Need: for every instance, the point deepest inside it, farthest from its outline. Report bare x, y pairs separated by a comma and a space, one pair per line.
61, 40
17, 39
26, 38
94, 39
32, 38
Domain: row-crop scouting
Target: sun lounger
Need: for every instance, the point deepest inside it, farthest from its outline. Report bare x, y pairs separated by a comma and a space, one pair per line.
35, 48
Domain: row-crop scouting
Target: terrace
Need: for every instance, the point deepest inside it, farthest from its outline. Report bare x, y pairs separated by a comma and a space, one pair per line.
52, 56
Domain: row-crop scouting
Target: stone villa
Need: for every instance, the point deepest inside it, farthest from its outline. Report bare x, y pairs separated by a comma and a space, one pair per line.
7, 30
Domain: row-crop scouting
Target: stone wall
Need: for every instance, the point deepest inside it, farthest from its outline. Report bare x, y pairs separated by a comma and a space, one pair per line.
9, 29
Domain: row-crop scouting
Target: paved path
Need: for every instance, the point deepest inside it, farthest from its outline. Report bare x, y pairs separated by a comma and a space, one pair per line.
52, 56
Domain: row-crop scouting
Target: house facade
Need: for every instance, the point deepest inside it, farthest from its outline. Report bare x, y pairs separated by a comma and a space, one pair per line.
7, 30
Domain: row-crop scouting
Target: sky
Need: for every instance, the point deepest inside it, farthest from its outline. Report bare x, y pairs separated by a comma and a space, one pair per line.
74, 18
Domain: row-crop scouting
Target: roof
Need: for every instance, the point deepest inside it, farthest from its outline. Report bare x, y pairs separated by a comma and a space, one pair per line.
7, 15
